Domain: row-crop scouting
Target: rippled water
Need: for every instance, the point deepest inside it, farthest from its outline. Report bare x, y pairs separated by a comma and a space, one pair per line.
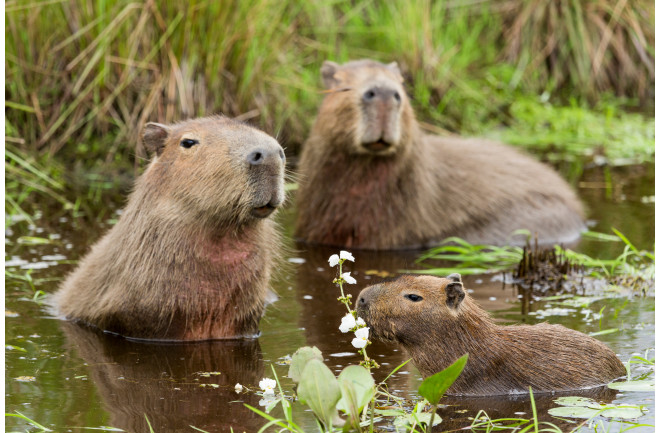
67, 377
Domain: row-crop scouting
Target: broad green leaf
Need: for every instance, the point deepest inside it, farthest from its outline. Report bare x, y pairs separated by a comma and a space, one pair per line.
634, 385
613, 411
390, 412
624, 412
402, 422
434, 387
300, 359
357, 389
573, 412
575, 401
319, 389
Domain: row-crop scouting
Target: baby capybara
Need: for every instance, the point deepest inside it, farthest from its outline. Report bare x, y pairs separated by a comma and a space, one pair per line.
436, 322
191, 255
371, 180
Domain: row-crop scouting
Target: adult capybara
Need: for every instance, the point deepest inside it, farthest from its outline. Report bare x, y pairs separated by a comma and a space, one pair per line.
435, 320
371, 180
191, 255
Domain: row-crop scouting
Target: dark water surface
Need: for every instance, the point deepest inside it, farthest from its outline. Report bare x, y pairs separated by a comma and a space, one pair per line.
67, 377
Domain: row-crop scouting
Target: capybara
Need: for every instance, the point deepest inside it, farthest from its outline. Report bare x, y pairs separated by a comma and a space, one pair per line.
191, 255
436, 322
371, 180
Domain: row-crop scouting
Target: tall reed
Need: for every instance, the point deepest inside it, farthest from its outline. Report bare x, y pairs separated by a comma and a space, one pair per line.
82, 77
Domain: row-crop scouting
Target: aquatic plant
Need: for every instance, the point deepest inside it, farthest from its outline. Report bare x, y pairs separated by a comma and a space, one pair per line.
534, 266
353, 391
78, 70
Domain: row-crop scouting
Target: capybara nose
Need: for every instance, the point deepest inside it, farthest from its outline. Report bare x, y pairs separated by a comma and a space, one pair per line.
382, 93
261, 155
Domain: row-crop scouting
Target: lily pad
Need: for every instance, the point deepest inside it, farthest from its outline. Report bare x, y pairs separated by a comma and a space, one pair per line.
575, 401
582, 407
573, 412
634, 385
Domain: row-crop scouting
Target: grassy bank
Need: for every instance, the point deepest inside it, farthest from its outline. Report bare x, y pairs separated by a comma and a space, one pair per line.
83, 77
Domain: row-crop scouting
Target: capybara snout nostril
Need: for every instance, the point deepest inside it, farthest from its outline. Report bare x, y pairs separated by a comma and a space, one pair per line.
265, 155
256, 157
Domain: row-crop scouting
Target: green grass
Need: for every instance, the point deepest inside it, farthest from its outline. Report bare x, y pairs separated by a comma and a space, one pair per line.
632, 268
83, 77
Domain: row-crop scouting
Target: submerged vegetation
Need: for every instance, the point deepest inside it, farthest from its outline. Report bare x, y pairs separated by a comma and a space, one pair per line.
542, 268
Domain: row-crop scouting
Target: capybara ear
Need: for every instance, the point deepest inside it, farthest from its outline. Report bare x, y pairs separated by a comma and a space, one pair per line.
394, 67
328, 70
455, 278
154, 137
455, 294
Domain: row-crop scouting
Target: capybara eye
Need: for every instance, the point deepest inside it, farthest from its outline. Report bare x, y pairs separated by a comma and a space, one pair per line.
397, 97
412, 297
188, 143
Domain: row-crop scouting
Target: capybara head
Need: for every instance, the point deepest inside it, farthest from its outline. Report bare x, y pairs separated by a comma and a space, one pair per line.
214, 170
367, 103
405, 309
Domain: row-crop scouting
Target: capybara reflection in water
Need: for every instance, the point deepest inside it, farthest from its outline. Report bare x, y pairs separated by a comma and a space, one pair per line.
191, 255
371, 180
436, 322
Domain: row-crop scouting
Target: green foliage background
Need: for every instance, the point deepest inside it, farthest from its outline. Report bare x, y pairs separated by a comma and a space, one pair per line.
82, 77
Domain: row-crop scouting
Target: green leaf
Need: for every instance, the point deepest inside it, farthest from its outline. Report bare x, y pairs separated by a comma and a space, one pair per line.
401, 422
600, 236
319, 389
634, 385
573, 412
434, 387
604, 332
575, 401
357, 389
33, 240
624, 412
300, 359
609, 411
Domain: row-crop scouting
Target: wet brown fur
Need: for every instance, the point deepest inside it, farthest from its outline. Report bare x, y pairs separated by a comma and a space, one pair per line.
446, 324
423, 188
187, 259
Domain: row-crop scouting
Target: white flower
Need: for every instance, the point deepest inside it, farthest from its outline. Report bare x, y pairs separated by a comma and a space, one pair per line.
347, 277
361, 338
360, 323
333, 260
345, 255
267, 400
268, 386
238, 387
347, 323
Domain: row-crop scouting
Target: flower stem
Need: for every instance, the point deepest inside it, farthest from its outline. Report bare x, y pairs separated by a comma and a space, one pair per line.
343, 298
435, 409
